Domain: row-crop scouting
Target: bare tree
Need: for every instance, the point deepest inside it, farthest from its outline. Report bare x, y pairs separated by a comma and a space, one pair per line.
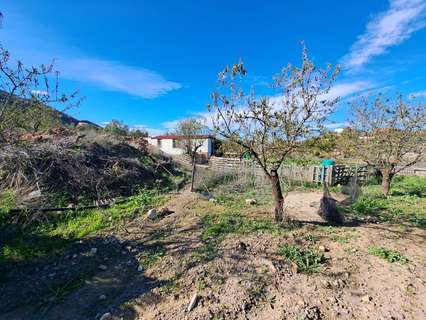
389, 135
272, 128
190, 141
23, 90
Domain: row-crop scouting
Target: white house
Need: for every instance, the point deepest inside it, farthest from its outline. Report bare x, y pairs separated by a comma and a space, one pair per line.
169, 144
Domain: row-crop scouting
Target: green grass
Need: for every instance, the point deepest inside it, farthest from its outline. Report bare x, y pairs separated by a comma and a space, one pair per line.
403, 205
59, 230
149, 257
307, 261
388, 254
216, 227
7, 202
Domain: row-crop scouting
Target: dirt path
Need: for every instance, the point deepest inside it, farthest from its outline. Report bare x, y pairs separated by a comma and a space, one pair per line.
254, 283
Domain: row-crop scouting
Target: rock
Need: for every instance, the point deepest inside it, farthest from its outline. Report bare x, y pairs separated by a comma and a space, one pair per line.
102, 297
193, 302
323, 249
152, 214
366, 298
251, 201
103, 267
140, 268
213, 200
106, 316
93, 250
293, 268
74, 256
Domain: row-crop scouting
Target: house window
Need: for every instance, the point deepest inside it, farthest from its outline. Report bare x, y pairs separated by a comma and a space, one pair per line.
174, 144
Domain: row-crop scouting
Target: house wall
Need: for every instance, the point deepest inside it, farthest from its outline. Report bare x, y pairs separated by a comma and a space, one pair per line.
167, 146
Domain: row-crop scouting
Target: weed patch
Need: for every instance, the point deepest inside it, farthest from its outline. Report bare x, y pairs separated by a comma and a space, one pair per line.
307, 261
388, 254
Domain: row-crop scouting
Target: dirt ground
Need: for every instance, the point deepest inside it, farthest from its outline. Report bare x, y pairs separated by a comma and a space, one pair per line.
245, 279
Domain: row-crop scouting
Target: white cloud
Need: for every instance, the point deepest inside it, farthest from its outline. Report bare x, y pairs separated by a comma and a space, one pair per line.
40, 92
345, 89
115, 76
387, 29
418, 94
336, 125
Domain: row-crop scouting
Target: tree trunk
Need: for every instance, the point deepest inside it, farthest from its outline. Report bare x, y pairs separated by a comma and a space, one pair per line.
278, 196
386, 181
193, 172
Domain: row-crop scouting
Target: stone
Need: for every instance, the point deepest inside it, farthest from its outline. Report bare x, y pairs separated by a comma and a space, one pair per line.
366, 298
193, 302
103, 267
93, 250
152, 214
323, 249
106, 316
74, 256
213, 200
102, 297
140, 268
251, 201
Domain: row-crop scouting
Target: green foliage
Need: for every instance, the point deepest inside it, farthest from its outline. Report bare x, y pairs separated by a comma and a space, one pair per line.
413, 186
55, 233
388, 254
394, 208
7, 202
218, 226
116, 128
307, 261
150, 256
205, 253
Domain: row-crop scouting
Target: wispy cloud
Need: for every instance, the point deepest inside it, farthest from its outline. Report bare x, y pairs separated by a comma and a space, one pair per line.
385, 30
346, 89
418, 94
115, 76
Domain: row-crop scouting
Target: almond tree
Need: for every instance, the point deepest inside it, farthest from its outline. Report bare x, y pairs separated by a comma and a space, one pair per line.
388, 134
25, 93
272, 128
188, 130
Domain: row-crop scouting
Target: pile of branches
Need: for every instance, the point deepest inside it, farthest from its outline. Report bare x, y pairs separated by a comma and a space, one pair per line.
74, 169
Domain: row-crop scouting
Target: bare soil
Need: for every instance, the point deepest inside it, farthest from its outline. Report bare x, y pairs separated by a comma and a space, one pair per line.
244, 279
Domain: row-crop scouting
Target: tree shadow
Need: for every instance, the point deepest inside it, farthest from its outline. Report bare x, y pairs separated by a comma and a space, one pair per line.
88, 278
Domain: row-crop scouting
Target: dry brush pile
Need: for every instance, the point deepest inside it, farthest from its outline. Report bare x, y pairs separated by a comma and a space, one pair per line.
58, 169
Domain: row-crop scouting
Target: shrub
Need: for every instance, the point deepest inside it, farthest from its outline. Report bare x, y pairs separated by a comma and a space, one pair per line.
307, 261
388, 254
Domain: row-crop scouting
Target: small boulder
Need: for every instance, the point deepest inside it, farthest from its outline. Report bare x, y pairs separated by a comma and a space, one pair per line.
251, 201
323, 249
102, 267
140, 268
102, 297
366, 298
106, 316
213, 200
193, 302
152, 214
93, 250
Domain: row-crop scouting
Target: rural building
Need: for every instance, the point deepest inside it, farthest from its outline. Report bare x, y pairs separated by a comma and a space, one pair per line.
170, 144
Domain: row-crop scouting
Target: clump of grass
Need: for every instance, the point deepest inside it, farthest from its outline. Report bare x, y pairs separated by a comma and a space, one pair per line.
307, 261
170, 286
7, 202
218, 226
388, 254
149, 257
205, 253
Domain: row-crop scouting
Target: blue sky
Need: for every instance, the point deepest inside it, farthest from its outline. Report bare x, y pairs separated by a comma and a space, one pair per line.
151, 63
